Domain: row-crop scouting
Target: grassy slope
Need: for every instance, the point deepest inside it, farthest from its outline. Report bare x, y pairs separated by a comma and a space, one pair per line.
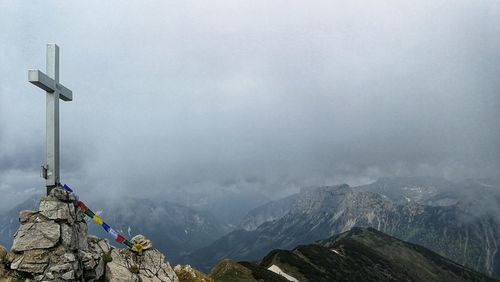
230, 271
368, 255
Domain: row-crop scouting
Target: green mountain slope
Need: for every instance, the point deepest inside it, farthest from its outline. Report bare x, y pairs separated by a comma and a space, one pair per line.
368, 255
230, 271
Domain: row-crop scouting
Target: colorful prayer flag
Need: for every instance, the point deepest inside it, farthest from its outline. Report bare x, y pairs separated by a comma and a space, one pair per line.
66, 187
128, 243
97, 220
82, 206
89, 213
113, 233
120, 239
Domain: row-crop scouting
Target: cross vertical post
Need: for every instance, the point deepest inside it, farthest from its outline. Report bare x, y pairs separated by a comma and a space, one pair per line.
52, 119
54, 90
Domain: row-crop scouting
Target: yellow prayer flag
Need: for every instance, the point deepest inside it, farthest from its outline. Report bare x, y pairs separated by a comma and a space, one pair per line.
97, 220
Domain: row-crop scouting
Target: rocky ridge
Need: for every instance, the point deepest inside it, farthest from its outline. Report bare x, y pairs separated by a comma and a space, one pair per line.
361, 254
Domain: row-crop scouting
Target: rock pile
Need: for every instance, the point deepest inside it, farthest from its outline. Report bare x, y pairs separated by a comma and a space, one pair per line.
52, 245
47, 245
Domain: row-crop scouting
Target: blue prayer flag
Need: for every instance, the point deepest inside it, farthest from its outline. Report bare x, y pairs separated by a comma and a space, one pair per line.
67, 188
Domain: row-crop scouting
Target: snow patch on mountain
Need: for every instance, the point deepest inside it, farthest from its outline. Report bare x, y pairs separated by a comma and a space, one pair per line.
274, 268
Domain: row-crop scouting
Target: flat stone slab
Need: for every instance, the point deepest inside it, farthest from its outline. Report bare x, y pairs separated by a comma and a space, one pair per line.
57, 210
33, 261
38, 235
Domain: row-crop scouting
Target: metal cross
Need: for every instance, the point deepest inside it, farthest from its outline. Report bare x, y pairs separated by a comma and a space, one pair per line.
50, 83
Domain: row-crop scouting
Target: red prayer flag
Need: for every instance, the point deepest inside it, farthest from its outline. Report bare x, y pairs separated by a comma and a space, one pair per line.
120, 239
82, 206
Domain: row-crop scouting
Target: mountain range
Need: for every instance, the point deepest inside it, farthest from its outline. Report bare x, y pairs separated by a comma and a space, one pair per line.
456, 220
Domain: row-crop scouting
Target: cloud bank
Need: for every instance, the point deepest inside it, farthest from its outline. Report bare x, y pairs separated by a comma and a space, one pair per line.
176, 97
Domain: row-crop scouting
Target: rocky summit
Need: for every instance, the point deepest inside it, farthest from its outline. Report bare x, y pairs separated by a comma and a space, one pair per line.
52, 244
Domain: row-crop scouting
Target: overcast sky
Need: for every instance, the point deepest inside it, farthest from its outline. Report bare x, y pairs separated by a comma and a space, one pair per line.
264, 95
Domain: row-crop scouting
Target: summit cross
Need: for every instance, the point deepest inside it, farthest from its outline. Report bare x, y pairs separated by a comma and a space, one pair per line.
55, 91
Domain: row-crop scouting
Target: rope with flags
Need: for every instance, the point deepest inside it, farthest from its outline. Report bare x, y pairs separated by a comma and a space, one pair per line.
98, 220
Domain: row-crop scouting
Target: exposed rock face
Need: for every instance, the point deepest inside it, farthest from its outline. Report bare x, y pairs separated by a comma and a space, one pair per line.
37, 235
149, 265
273, 210
93, 259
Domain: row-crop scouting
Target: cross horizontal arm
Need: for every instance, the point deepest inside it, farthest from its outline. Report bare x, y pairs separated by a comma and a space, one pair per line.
43, 81
64, 93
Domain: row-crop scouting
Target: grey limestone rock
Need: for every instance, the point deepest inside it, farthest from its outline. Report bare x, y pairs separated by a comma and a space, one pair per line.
38, 235
54, 209
33, 261
46, 245
27, 216
61, 195
92, 259
150, 265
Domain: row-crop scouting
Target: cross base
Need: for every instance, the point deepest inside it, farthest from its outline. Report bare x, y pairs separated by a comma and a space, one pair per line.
49, 188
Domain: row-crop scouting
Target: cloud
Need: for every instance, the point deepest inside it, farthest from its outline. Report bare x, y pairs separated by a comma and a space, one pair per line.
168, 95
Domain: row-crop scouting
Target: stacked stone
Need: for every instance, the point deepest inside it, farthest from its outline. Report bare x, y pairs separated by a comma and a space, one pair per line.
52, 245
50, 242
